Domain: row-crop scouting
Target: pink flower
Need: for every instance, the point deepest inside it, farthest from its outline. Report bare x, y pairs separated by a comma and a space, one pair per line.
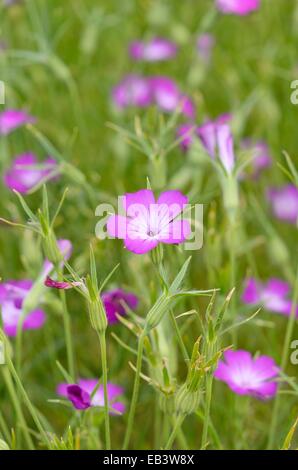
169, 98
26, 172
238, 7
149, 222
133, 90
155, 50
11, 119
284, 202
12, 295
80, 395
115, 301
273, 295
49, 282
260, 153
247, 376
205, 44
186, 134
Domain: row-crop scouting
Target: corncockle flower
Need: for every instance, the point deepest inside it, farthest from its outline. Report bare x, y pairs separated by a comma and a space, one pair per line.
115, 301
12, 295
169, 98
186, 133
272, 295
133, 90
238, 7
248, 376
216, 137
149, 222
260, 153
49, 282
155, 50
205, 44
284, 202
80, 395
26, 172
11, 119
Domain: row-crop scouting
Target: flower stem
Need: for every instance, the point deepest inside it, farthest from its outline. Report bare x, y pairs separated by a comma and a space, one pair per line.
174, 432
285, 352
103, 350
67, 328
209, 383
27, 402
16, 404
135, 391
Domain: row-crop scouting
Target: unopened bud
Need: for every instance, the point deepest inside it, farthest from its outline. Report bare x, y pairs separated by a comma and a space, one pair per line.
187, 401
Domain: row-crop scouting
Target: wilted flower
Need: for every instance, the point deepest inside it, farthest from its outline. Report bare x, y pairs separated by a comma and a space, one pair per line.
149, 222
115, 301
155, 50
80, 395
26, 172
247, 376
284, 202
260, 153
11, 119
135, 90
205, 44
273, 295
12, 295
238, 7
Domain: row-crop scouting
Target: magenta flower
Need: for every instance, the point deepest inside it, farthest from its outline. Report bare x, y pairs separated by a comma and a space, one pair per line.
133, 90
26, 172
64, 285
247, 376
186, 134
155, 50
238, 7
149, 222
273, 295
80, 395
205, 45
115, 302
11, 119
12, 295
260, 153
284, 202
169, 98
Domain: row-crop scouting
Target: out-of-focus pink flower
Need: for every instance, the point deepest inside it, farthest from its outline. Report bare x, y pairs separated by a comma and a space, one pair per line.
133, 90
186, 134
238, 7
273, 295
155, 50
261, 156
12, 295
247, 376
205, 44
149, 222
26, 172
11, 119
169, 98
115, 301
80, 395
284, 203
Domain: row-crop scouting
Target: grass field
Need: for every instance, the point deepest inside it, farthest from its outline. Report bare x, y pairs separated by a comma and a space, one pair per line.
187, 347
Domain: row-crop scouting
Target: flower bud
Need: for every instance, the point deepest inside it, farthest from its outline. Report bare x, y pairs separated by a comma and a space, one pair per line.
187, 401
156, 313
97, 314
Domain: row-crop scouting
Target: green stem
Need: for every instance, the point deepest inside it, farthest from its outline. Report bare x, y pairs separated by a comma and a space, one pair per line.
67, 328
16, 404
27, 401
174, 432
209, 383
179, 337
285, 352
103, 350
135, 392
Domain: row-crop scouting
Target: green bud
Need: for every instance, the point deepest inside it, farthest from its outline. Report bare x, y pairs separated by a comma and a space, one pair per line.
187, 401
156, 313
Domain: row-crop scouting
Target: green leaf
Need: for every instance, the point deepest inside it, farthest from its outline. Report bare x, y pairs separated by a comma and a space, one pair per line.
179, 278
